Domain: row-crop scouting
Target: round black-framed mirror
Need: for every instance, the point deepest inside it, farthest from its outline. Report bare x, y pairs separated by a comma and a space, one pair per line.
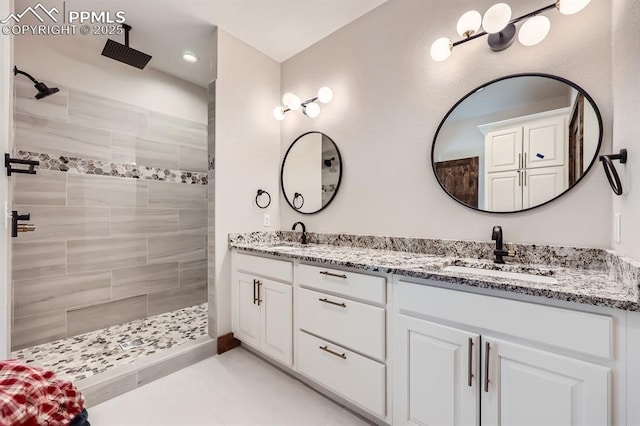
311, 172
517, 143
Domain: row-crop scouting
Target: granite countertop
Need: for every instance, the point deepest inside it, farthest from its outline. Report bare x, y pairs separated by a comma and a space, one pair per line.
611, 281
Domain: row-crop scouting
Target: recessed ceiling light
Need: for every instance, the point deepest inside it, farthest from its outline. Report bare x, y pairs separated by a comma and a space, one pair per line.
189, 57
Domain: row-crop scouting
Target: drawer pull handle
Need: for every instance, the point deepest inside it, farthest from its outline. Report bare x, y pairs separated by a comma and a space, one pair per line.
333, 275
487, 348
326, 349
325, 300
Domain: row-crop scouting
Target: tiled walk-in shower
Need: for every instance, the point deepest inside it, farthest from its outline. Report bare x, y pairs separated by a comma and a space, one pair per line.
76, 358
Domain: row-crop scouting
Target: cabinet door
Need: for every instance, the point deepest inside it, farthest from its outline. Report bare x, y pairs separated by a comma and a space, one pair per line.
545, 142
503, 191
246, 312
277, 320
503, 150
435, 374
532, 387
543, 184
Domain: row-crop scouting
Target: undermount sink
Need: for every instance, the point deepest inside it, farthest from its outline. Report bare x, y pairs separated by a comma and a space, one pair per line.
542, 279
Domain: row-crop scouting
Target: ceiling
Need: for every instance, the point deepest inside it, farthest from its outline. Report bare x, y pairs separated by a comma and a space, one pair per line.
166, 28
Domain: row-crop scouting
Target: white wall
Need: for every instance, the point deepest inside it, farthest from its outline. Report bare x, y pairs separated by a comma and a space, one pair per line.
247, 152
65, 61
626, 89
389, 97
6, 126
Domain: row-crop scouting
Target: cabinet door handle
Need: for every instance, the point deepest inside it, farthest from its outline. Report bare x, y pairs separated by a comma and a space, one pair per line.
326, 349
519, 178
520, 160
325, 300
524, 165
470, 362
487, 349
525, 178
333, 275
255, 291
259, 297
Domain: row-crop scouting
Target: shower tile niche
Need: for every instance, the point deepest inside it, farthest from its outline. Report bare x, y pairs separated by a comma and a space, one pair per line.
120, 206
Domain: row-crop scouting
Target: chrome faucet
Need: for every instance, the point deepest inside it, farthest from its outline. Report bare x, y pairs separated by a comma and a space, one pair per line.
303, 239
499, 252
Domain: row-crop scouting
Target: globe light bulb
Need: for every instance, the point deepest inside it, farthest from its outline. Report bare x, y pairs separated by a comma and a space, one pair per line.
278, 113
569, 7
469, 23
441, 49
496, 18
311, 110
291, 101
325, 95
534, 30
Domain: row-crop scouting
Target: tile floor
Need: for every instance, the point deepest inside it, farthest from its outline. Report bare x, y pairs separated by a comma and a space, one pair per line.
82, 356
236, 388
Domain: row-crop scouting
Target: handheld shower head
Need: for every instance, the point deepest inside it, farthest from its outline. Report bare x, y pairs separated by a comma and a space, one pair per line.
43, 89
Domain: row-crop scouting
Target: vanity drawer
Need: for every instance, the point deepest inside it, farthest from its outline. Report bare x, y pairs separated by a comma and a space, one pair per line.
351, 284
353, 376
276, 269
355, 325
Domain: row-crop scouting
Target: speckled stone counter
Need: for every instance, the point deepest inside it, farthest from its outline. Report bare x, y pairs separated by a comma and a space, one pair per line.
584, 275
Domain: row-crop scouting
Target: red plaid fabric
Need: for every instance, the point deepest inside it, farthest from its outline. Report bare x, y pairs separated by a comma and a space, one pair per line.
31, 396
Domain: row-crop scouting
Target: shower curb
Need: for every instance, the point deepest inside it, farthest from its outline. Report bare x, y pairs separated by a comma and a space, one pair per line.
104, 386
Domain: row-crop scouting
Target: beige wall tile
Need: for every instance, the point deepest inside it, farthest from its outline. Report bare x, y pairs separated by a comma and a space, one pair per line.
175, 130
193, 159
130, 222
176, 248
193, 221
103, 254
33, 260
144, 279
128, 149
170, 300
177, 195
54, 107
46, 188
193, 273
105, 315
65, 223
106, 191
98, 112
42, 295
36, 329
59, 138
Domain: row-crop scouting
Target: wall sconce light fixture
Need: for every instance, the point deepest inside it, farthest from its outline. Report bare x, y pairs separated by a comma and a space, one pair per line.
310, 107
501, 30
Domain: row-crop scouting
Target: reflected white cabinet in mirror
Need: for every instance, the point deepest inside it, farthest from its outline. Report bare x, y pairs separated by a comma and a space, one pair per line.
311, 172
517, 143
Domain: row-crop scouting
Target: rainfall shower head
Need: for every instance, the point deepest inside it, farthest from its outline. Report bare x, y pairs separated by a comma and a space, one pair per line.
124, 53
43, 89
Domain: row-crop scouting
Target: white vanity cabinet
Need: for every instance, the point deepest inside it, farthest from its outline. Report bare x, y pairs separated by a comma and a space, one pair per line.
262, 305
468, 359
341, 334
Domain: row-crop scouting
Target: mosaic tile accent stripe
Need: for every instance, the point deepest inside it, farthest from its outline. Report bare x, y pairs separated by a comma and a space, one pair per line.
108, 168
79, 357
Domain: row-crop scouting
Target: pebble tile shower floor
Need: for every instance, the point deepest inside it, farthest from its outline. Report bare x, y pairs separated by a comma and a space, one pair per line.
76, 358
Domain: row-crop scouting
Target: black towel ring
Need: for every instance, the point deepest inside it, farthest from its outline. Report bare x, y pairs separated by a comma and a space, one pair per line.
610, 169
295, 197
260, 193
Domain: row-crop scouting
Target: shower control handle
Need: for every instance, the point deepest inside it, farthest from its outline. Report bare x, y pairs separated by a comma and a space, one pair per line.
20, 227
